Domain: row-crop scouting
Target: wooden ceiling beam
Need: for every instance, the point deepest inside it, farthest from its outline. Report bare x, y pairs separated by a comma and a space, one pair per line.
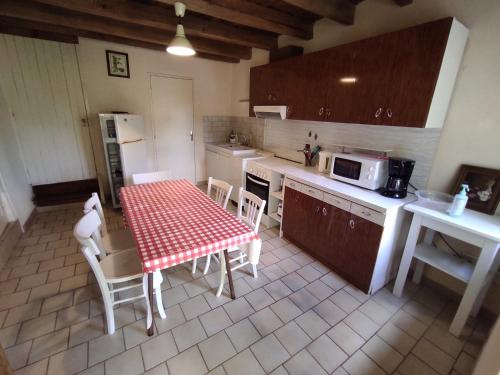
15, 29
34, 12
163, 18
338, 10
258, 19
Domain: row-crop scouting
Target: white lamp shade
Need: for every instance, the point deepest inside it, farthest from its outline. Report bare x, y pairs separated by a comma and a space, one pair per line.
180, 45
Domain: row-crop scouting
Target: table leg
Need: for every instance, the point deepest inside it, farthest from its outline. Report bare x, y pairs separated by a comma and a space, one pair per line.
476, 283
229, 274
489, 279
150, 298
420, 266
408, 252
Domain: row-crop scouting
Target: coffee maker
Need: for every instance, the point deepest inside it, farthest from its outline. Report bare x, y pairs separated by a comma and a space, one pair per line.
400, 171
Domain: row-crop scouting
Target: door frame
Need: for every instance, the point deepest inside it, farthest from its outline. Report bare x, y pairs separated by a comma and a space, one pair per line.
153, 127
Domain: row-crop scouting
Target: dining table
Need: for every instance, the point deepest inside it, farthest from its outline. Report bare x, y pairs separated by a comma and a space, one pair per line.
174, 222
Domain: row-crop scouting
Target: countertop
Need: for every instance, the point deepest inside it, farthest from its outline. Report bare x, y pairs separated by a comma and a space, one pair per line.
311, 177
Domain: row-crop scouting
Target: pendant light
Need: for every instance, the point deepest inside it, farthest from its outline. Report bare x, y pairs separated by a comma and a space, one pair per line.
180, 45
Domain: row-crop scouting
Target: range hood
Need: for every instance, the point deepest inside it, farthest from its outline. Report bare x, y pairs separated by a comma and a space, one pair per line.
275, 112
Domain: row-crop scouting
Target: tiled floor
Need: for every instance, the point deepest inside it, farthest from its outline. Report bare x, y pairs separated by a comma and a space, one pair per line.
296, 318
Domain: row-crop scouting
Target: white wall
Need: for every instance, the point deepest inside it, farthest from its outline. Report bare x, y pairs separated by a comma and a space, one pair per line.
212, 89
12, 168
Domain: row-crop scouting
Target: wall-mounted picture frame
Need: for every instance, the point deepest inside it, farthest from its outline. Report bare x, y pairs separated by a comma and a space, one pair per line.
117, 64
484, 185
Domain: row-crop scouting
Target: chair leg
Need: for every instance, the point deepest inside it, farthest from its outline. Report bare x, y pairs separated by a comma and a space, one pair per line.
157, 280
207, 264
254, 267
195, 261
110, 317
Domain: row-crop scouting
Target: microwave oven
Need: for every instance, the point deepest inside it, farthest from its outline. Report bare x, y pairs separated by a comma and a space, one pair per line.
366, 171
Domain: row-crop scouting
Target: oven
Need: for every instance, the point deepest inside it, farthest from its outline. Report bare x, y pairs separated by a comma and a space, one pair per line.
259, 187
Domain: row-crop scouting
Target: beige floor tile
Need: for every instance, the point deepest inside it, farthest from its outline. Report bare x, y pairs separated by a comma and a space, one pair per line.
294, 281
32, 281
189, 362
40, 257
375, 312
17, 261
277, 290
312, 324
329, 312
65, 251
303, 299
216, 349
356, 293
215, 321
189, 334
285, 309
389, 301
49, 344
433, 356
409, 324
346, 338
420, 312
49, 237
72, 315
8, 335
243, 334
57, 302
28, 250
39, 368
309, 273
82, 268
44, 291
465, 364
105, 347
8, 286
259, 299
360, 323
74, 282
18, 355
68, 362
86, 330
303, 363
444, 340
22, 313
61, 273
158, 350
397, 338
74, 259
238, 309
14, 300
51, 264
37, 327
244, 363
361, 364
174, 318
382, 353
135, 334
414, 366
292, 337
333, 280
269, 352
319, 289
327, 353
194, 307
266, 321
58, 244
345, 301
126, 363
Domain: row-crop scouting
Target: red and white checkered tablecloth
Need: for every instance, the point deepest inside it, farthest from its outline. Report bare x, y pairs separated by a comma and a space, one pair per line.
174, 222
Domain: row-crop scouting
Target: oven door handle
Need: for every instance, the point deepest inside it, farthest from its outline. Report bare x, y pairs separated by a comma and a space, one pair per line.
257, 182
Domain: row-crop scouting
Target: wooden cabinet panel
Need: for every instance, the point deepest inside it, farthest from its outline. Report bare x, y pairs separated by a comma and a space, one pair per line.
292, 216
331, 235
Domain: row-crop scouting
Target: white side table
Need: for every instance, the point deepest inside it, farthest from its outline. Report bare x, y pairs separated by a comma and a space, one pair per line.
472, 227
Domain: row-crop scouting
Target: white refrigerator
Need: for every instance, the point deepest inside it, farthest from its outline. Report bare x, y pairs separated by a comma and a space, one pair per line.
124, 149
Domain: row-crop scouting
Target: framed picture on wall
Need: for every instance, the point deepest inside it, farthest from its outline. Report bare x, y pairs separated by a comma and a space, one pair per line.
484, 185
117, 64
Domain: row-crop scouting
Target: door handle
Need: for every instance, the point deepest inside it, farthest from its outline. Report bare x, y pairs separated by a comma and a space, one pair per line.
317, 209
191, 135
321, 110
325, 212
351, 223
257, 182
389, 112
378, 113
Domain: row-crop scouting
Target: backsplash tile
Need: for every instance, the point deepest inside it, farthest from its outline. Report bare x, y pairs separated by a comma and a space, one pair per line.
284, 138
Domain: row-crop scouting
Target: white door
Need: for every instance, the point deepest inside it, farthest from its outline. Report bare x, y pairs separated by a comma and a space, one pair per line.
41, 83
173, 125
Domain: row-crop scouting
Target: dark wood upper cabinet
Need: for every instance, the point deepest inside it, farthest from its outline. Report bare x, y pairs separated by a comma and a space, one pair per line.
391, 79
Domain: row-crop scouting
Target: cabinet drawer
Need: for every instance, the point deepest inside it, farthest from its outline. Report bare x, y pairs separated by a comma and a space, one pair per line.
312, 192
293, 184
368, 214
341, 203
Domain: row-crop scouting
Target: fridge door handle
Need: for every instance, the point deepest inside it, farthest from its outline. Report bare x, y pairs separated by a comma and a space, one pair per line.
191, 135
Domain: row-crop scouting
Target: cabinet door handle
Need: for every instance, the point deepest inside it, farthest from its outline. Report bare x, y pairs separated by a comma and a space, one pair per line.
317, 209
328, 113
321, 110
297, 198
325, 212
351, 223
389, 112
378, 112
270, 97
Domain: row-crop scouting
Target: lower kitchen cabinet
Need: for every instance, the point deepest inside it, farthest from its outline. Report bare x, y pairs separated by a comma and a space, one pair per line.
344, 241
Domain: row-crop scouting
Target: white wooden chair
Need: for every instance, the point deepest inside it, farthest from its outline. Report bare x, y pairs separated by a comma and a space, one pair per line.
145, 178
123, 267
222, 192
254, 208
114, 241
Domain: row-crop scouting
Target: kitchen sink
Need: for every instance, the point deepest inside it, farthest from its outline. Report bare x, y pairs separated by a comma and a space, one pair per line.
232, 149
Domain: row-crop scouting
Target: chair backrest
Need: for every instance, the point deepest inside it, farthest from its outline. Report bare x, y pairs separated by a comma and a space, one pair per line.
222, 191
87, 233
94, 203
144, 178
254, 209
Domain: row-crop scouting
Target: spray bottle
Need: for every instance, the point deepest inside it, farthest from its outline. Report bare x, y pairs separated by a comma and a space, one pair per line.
459, 202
